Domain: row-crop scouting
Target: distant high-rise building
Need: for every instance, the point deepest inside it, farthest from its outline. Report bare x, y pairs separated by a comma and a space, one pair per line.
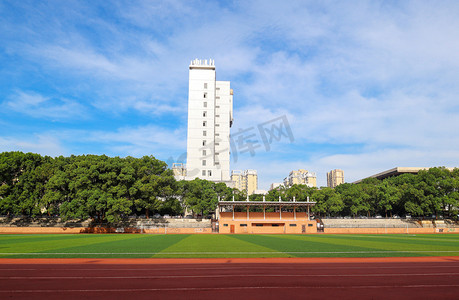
210, 116
245, 180
335, 178
301, 177
237, 177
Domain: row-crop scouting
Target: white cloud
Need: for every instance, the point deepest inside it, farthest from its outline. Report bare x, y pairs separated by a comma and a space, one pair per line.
43, 144
144, 140
158, 108
158, 15
397, 119
80, 59
39, 106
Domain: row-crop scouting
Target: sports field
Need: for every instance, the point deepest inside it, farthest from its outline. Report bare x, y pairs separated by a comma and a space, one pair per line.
225, 246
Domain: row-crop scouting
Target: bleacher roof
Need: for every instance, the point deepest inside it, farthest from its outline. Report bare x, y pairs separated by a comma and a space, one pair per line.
266, 203
395, 172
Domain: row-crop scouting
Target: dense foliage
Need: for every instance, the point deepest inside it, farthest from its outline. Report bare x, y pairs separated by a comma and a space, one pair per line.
80, 187
105, 189
109, 190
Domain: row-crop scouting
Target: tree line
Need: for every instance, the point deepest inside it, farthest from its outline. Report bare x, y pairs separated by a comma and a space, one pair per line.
106, 189
432, 192
110, 189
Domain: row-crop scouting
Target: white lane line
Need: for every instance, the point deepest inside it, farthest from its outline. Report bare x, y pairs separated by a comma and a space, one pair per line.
234, 288
255, 267
216, 253
220, 276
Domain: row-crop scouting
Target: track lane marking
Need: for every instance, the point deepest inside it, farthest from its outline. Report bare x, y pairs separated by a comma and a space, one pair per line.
235, 288
233, 268
221, 276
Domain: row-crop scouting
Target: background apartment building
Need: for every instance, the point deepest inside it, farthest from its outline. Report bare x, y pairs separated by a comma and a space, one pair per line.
301, 177
210, 116
179, 171
275, 185
335, 178
245, 180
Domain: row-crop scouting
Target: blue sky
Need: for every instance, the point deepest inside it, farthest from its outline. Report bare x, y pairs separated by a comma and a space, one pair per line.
365, 85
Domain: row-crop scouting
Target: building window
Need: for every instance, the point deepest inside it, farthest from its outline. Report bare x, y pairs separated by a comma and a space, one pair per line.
259, 225
217, 97
275, 225
217, 125
205, 104
217, 116
204, 123
217, 106
204, 152
217, 144
243, 225
204, 133
203, 162
203, 172
217, 134
309, 225
292, 225
205, 85
204, 113
205, 95
210, 173
204, 142
225, 225
218, 88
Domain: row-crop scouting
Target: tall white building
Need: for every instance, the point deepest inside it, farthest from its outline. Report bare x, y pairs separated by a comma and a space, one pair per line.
210, 116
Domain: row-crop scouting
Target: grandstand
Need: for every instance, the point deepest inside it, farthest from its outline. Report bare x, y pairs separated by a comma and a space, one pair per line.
237, 217
265, 217
370, 223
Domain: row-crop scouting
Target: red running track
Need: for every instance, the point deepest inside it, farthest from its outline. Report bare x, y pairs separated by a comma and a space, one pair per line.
236, 279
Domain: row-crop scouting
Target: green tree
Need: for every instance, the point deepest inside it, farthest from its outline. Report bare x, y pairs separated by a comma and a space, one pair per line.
200, 196
328, 202
387, 197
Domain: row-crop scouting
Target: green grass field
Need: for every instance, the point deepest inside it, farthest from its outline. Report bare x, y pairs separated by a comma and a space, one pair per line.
210, 246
